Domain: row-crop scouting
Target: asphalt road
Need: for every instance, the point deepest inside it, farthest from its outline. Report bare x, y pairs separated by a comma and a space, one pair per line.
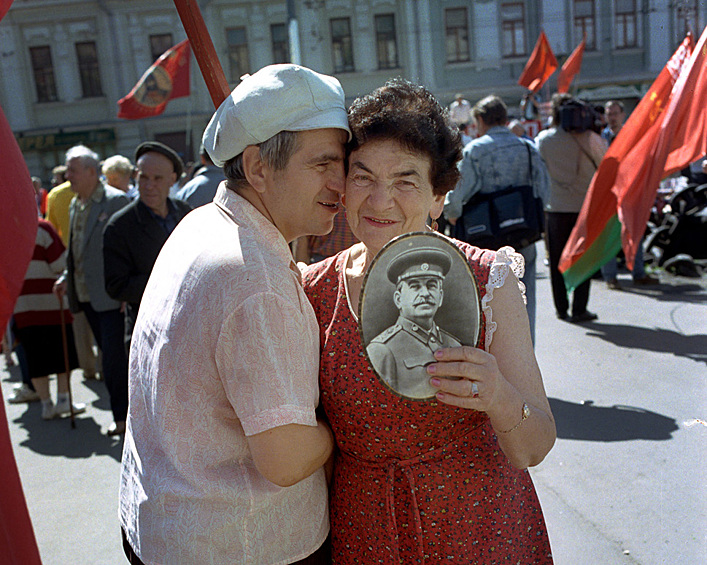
626, 482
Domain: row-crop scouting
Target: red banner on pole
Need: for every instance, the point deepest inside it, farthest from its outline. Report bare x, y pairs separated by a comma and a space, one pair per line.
571, 67
166, 79
540, 66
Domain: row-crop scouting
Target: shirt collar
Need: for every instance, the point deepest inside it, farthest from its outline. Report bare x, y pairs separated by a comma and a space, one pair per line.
245, 214
97, 195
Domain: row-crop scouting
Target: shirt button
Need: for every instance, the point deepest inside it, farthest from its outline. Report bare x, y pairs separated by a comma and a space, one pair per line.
432, 339
414, 328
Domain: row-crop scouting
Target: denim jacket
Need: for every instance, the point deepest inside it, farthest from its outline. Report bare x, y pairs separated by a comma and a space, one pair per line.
494, 161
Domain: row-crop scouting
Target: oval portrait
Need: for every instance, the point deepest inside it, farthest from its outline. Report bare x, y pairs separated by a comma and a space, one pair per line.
418, 295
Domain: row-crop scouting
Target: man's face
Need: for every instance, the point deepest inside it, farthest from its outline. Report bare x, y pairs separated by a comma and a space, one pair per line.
83, 179
419, 298
155, 176
303, 198
614, 116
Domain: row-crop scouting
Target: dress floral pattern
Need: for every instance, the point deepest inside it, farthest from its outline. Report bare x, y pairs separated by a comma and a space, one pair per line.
414, 481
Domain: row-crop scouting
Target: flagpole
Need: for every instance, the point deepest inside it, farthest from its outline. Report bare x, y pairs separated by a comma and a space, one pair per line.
203, 47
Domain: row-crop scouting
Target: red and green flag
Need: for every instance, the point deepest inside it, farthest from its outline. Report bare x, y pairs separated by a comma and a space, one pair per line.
623, 189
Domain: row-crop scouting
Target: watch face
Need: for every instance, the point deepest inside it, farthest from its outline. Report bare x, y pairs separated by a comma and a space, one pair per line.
418, 295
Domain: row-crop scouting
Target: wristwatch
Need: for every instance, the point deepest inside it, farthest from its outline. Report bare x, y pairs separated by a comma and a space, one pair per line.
524, 416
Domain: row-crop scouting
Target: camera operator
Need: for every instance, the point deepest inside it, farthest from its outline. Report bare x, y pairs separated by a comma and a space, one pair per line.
572, 152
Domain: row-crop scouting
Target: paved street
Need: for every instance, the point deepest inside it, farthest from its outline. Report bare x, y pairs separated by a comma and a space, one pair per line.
625, 483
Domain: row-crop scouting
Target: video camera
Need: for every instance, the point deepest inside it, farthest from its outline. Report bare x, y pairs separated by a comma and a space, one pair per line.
577, 116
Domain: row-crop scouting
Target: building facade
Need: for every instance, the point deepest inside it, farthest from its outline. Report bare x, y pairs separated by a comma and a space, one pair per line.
65, 64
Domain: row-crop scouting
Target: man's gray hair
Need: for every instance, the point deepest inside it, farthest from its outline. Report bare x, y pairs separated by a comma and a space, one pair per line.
117, 163
87, 157
276, 152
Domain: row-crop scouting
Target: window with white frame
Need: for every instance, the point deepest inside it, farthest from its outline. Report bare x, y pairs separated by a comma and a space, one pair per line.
238, 59
687, 13
280, 43
585, 20
626, 24
43, 70
159, 43
342, 45
89, 74
513, 29
456, 26
386, 42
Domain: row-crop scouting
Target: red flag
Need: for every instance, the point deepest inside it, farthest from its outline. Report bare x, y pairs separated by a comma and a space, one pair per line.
167, 78
18, 229
540, 66
680, 139
571, 67
596, 236
4, 7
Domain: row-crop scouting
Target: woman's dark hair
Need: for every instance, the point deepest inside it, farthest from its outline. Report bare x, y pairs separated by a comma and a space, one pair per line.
411, 116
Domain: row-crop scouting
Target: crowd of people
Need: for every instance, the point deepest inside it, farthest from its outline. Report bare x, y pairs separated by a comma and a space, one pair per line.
258, 427
100, 229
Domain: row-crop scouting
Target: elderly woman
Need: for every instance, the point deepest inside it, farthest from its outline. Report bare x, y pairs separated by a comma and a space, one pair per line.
439, 480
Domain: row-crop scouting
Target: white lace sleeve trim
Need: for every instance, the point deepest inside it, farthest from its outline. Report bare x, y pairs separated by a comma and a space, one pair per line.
506, 260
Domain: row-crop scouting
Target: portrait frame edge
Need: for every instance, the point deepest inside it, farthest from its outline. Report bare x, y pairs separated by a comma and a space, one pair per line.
447, 243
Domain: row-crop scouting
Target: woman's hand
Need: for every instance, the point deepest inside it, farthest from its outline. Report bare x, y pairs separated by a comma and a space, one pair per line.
467, 377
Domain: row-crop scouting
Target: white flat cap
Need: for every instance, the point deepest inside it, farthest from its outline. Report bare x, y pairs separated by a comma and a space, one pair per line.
276, 98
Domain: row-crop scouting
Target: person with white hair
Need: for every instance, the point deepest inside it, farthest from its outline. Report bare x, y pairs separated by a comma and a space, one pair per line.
83, 280
118, 172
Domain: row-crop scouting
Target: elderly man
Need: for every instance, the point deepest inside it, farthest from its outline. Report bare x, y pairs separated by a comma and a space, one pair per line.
223, 458
134, 236
401, 353
83, 278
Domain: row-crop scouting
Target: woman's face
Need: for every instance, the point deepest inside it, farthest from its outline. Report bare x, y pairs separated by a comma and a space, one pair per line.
388, 193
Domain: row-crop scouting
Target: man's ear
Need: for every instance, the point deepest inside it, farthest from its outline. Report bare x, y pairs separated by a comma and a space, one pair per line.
396, 298
254, 168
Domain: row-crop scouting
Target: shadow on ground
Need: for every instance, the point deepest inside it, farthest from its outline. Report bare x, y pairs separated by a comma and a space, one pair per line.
58, 438
659, 340
609, 423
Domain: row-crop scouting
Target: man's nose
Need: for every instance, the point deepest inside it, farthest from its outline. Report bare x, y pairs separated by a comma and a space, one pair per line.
337, 182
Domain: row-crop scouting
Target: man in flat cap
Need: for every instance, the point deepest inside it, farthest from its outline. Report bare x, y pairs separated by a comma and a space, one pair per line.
133, 237
223, 458
401, 353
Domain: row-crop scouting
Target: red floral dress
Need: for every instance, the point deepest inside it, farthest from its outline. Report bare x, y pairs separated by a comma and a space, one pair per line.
414, 481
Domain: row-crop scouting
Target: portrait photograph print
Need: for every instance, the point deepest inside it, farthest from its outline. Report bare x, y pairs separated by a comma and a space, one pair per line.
418, 296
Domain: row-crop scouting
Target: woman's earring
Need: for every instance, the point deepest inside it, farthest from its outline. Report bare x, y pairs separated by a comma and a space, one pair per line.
434, 225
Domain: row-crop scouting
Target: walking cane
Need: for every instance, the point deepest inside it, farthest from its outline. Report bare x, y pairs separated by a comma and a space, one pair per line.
64, 342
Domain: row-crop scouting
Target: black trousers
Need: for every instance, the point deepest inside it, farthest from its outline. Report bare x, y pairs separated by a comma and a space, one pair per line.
108, 329
559, 225
320, 557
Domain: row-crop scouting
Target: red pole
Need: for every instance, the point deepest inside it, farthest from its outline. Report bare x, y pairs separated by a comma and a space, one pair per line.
203, 49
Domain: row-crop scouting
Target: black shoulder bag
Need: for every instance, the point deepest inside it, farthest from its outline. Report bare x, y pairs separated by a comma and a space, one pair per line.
510, 216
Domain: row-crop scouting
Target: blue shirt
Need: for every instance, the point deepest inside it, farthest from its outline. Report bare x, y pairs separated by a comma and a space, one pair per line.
494, 161
202, 188
170, 221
